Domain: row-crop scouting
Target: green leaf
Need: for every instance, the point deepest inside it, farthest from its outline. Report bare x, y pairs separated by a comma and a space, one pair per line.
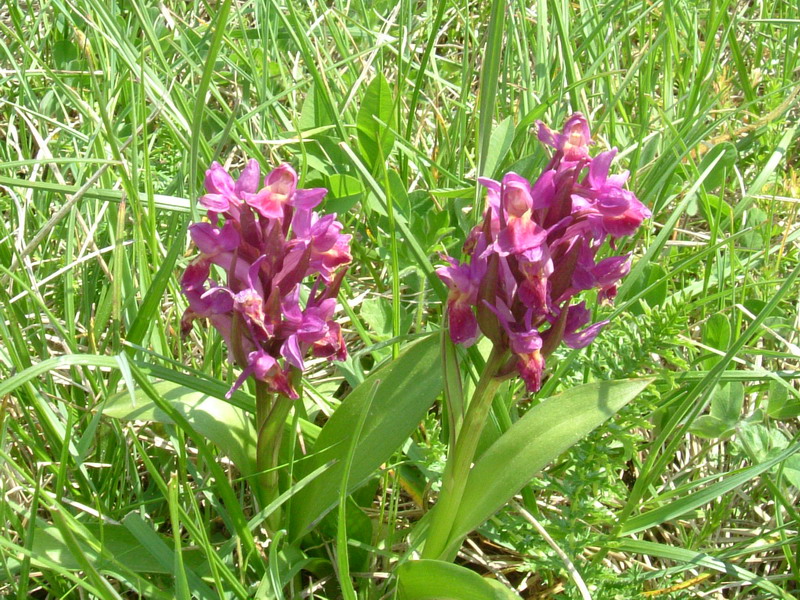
49, 544
314, 112
674, 508
375, 121
200, 100
227, 426
710, 428
717, 335
377, 314
727, 400
545, 432
344, 192
499, 143
149, 310
697, 559
490, 75
779, 405
439, 580
791, 470
728, 155
408, 387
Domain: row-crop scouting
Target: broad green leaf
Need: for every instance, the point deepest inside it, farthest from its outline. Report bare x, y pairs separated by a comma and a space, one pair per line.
314, 112
726, 410
227, 426
545, 432
49, 544
715, 210
377, 314
780, 405
726, 402
717, 335
408, 387
375, 121
499, 143
710, 427
791, 470
761, 442
344, 192
439, 580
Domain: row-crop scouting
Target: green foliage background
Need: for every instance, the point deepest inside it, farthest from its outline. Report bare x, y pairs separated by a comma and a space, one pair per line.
111, 111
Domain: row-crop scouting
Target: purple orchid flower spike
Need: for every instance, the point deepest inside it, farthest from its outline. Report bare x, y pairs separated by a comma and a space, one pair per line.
271, 242
537, 250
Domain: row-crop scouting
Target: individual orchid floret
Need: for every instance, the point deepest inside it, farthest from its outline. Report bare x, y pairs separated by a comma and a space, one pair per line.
537, 250
521, 232
270, 245
265, 368
463, 281
329, 248
608, 272
223, 194
619, 210
578, 316
573, 141
279, 187
280, 192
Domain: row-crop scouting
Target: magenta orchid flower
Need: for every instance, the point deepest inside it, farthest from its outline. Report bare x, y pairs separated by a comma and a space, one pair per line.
270, 242
536, 250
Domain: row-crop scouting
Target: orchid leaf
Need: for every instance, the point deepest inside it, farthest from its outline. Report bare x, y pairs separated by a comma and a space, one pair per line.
227, 426
439, 580
408, 386
541, 435
117, 540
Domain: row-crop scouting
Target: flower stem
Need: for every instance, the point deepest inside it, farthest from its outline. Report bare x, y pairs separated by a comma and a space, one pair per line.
264, 400
270, 433
459, 462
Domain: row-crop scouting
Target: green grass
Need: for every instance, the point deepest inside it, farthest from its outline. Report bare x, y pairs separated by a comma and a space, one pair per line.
110, 113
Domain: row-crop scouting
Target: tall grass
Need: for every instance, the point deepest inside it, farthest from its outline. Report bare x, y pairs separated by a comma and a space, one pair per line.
109, 114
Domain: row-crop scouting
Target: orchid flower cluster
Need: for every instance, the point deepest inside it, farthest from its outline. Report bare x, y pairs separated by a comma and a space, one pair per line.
269, 242
536, 250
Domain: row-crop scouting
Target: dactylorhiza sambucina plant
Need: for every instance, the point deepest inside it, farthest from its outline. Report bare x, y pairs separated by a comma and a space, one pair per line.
530, 258
282, 264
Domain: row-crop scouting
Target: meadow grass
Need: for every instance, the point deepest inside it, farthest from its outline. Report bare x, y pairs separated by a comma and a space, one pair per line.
110, 113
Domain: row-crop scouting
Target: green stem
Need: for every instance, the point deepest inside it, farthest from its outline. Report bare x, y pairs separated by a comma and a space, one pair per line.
268, 455
459, 462
264, 401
